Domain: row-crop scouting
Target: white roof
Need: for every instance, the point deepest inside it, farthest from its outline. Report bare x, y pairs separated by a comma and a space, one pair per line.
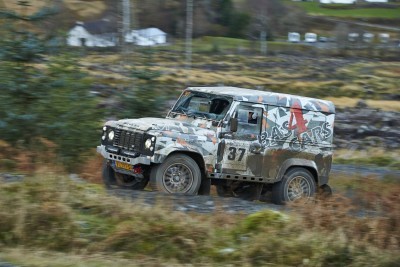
149, 32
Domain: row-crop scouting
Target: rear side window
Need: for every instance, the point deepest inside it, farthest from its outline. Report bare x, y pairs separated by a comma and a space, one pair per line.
285, 124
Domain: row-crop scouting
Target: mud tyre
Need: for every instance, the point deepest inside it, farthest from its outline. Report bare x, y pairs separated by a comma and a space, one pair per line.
178, 174
297, 184
114, 180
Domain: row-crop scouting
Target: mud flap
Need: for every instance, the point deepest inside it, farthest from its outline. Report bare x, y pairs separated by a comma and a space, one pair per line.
205, 186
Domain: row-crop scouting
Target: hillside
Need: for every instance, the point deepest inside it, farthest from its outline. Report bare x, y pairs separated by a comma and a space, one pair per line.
87, 8
350, 11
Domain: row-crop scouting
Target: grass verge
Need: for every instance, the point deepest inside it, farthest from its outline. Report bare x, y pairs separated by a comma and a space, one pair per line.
50, 220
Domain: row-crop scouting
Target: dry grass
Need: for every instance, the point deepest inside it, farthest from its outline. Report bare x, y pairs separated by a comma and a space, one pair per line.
388, 105
374, 156
82, 8
34, 7
344, 85
57, 218
86, 8
371, 216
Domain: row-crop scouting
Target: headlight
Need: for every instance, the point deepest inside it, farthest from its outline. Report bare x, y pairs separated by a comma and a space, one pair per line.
148, 143
111, 135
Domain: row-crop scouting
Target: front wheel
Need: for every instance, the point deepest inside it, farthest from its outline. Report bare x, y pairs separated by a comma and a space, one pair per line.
179, 173
297, 184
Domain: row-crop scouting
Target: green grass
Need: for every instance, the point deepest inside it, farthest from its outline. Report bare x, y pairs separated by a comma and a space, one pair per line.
47, 220
314, 8
225, 45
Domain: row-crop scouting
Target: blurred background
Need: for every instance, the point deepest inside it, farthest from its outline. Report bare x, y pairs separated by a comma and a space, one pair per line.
67, 66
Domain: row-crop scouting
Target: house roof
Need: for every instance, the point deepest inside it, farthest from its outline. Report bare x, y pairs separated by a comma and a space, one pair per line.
271, 98
148, 32
100, 26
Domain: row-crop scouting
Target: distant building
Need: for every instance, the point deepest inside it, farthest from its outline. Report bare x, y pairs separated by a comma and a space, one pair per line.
101, 33
353, 37
349, 1
384, 37
294, 37
337, 1
146, 37
310, 37
368, 37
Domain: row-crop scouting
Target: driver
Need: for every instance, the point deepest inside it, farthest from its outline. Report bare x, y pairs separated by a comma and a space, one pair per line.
252, 117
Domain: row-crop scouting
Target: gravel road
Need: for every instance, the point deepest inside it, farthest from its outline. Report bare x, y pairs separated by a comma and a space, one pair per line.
210, 204
378, 172
198, 204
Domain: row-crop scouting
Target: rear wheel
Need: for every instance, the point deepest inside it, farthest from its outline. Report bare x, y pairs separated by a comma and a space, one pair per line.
113, 179
296, 184
179, 173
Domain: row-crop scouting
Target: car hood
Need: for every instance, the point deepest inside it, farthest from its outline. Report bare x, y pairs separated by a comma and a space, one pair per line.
162, 125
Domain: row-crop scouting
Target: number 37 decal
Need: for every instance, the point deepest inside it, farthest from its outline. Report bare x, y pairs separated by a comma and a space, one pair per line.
233, 152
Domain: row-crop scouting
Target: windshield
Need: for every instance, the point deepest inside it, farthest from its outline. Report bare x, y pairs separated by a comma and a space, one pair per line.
202, 105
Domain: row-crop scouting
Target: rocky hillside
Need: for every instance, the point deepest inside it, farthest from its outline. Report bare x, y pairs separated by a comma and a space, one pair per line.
362, 127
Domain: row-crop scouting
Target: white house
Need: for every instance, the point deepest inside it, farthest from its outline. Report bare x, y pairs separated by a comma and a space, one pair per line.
146, 37
101, 33
294, 37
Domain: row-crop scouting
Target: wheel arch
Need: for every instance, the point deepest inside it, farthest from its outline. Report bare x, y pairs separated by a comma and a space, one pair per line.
289, 164
197, 157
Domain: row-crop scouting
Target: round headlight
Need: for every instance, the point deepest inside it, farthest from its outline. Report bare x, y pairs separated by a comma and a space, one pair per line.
147, 144
104, 128
111, 135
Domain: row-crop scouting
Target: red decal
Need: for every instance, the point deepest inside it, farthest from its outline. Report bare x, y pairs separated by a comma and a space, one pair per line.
300, 121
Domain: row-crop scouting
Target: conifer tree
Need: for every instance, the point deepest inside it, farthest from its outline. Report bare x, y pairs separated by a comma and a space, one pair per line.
41, 96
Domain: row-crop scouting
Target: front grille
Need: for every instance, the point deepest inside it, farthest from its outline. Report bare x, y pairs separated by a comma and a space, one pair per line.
128, 140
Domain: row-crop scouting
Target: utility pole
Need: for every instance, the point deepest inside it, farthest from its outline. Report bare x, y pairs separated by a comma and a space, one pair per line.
263, 39
189, 35
263, 32
126, 21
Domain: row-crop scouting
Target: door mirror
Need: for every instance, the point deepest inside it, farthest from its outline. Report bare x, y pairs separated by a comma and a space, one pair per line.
234, 125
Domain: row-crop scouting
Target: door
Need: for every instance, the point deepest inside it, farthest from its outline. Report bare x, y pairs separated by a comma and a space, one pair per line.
240, 152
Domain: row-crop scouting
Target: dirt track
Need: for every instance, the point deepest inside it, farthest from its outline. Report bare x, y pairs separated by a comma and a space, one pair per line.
210, 204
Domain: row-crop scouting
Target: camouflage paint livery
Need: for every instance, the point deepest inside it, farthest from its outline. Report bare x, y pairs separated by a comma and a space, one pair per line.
275, 132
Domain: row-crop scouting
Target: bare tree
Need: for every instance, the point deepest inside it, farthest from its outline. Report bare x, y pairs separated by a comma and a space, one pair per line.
266, 15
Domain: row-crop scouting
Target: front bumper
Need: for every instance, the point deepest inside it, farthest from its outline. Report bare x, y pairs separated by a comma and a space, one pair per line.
133, 161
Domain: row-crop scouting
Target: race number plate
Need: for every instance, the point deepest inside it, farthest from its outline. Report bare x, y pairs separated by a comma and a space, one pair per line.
123, 165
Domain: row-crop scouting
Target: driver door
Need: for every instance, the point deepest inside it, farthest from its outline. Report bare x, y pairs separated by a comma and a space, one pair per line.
239, 152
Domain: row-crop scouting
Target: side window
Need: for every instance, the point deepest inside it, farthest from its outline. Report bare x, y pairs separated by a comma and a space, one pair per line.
249, 120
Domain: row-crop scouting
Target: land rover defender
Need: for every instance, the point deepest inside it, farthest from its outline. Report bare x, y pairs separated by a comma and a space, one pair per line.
245, 142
